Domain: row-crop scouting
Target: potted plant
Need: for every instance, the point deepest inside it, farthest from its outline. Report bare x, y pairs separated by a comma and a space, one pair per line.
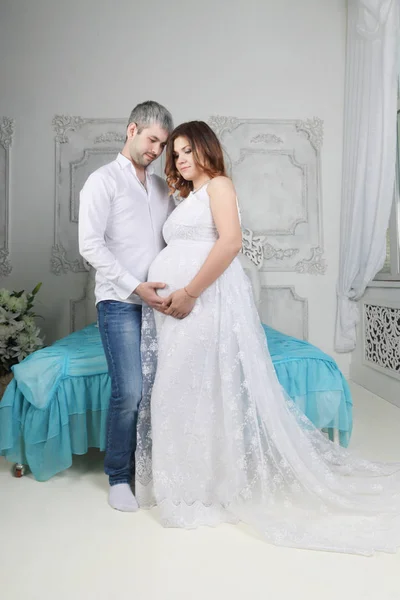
19, 334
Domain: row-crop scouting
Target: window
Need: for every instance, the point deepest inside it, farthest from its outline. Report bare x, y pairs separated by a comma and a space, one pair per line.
391, 269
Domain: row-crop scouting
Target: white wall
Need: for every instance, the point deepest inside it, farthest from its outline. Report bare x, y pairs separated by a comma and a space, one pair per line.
245, 58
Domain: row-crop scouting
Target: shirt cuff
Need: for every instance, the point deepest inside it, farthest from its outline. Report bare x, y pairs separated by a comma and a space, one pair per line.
126, 285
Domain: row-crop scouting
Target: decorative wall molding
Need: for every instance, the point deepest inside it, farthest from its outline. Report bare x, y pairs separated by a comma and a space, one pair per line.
222, 124
6, 135
279, 189
6, 131
112, 136
77, 312
64, 123
81, 146
302, 215
283, 309
83, 310
381, 336
258, 249
315, 265
314, 129
266, 137
60, 263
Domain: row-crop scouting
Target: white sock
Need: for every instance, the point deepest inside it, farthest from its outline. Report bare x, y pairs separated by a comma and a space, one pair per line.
121, 498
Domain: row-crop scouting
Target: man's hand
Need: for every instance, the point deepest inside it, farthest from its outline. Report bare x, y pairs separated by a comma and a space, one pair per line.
147, 292
179, 304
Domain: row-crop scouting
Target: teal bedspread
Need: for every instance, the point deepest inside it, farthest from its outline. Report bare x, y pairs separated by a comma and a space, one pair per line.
56, 405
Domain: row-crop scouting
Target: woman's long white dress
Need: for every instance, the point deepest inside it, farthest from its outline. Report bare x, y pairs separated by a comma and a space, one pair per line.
219, 440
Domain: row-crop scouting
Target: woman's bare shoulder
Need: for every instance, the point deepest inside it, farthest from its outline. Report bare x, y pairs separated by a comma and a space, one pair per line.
220, 184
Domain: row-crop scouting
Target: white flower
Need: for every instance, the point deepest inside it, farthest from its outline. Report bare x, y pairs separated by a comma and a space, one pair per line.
6, 316
18, 305
4, 296
29, 323
6, 331
23, 339
19, 335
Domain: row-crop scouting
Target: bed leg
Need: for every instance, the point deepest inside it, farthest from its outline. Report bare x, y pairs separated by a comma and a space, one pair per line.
333, 435
19, 470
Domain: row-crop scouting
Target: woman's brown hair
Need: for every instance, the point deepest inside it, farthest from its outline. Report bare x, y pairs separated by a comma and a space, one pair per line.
207, 153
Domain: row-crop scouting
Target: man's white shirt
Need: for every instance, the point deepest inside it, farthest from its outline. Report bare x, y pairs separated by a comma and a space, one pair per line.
120, 227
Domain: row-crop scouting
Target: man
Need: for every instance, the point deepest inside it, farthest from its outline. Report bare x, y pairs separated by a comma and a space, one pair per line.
123, 207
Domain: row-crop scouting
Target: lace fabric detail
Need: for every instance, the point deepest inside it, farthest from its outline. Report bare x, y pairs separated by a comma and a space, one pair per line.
190, 233
219, 440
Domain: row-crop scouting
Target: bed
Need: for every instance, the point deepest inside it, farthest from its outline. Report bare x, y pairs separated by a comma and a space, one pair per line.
56, 404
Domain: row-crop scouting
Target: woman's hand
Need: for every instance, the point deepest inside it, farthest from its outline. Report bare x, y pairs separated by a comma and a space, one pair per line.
179, 304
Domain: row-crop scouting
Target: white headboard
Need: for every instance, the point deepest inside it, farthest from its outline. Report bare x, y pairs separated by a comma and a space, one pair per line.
275, 165
253, 274
90, 308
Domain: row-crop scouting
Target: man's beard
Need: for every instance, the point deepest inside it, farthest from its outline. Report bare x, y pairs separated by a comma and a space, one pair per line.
150, 157
143, 160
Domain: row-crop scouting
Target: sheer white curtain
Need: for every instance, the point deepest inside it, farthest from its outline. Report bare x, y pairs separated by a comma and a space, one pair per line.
369, 154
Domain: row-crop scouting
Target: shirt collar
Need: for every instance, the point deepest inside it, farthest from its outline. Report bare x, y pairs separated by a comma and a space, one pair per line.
124, 162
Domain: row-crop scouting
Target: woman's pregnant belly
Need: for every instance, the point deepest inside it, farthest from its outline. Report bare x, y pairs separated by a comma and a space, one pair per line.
178, 264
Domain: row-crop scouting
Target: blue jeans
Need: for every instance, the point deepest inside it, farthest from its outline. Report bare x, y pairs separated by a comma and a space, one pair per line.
120, 329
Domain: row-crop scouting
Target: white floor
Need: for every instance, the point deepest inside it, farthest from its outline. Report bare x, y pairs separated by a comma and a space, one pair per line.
60, 540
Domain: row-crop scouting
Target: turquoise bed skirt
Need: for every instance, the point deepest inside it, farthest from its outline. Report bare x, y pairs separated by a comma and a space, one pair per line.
57, 403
